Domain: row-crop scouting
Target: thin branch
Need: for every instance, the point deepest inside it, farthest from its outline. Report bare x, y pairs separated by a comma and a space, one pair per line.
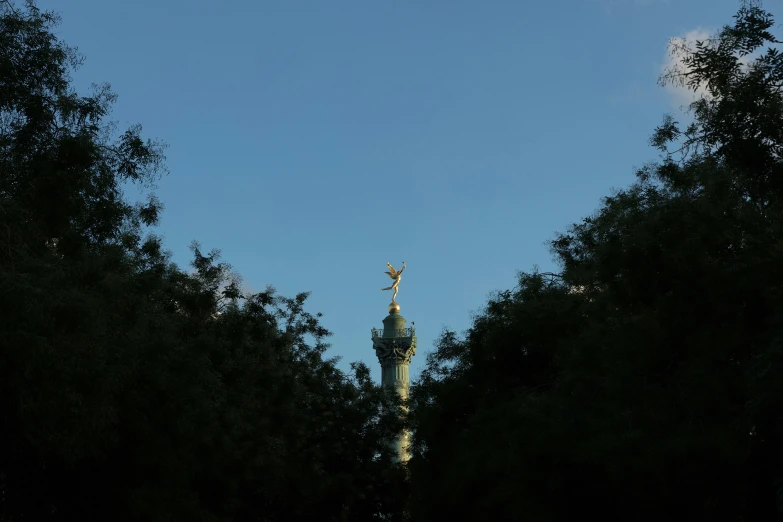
11, 7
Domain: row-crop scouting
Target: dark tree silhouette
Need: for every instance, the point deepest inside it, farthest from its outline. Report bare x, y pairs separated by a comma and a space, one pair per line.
645, 381
131, 389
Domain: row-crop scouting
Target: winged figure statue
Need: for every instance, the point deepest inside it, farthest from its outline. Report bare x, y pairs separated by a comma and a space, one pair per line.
394, 274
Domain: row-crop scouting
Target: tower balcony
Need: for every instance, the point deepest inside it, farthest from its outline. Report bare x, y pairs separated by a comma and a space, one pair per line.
389, 333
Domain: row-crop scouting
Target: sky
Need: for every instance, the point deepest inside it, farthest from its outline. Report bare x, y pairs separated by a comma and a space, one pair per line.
312, 141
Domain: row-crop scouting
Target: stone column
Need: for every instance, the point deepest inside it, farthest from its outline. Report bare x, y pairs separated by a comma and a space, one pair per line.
395, 346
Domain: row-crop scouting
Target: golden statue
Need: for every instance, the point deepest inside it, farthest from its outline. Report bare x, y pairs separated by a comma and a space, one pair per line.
396, 276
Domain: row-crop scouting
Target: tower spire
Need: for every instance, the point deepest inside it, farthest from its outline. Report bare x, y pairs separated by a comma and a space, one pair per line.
395, 346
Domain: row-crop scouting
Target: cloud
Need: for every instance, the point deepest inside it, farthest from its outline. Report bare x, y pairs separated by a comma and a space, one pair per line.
679, 47
683, 95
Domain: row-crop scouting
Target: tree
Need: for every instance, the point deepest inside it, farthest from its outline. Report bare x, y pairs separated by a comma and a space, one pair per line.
646, 380
131, 389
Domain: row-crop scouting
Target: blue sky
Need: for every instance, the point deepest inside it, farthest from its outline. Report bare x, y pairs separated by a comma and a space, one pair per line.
312, 141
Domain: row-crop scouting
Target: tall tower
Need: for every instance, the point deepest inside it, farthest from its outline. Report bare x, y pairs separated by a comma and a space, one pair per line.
395, 346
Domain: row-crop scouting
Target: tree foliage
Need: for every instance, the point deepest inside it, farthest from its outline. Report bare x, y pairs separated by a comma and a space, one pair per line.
132, 389
646, 380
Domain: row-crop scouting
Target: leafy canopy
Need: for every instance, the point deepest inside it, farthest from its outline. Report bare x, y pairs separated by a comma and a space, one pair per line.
130, 388
644, 380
